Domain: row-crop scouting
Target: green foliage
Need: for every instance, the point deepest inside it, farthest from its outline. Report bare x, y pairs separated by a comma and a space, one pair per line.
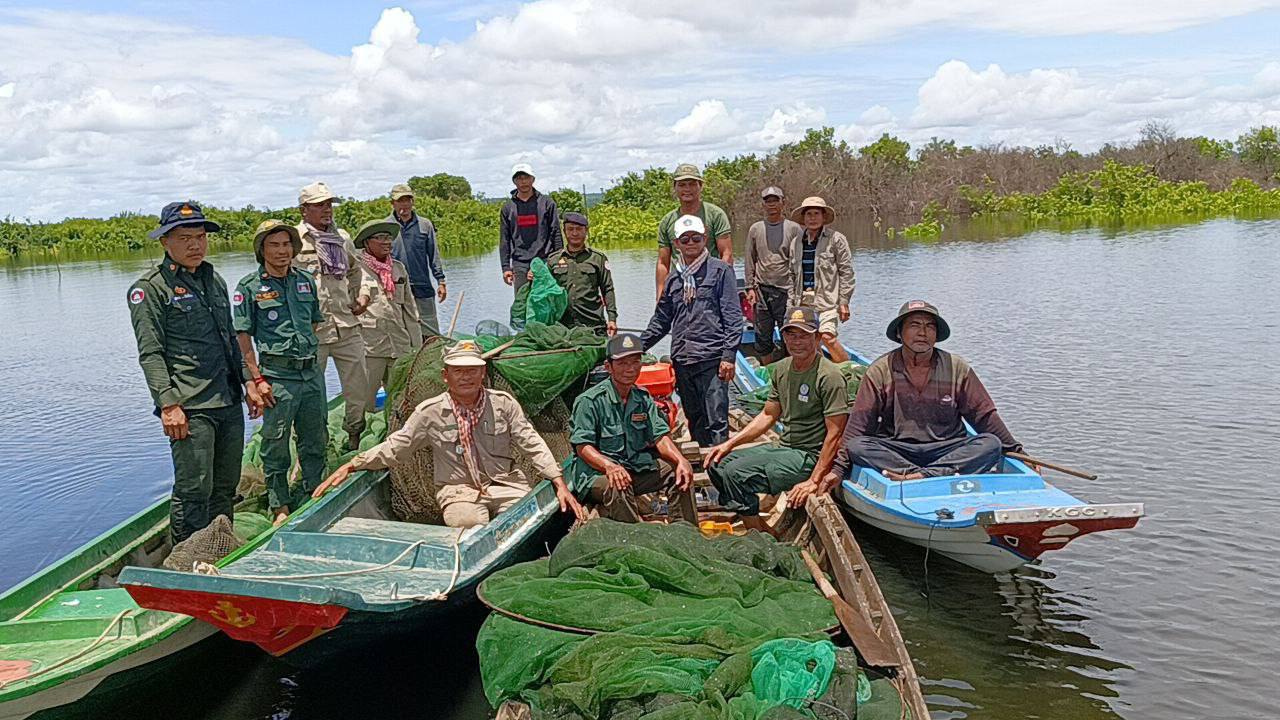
569, 200
939, 149
1261, 147
888, 150
1216, 149
622, 226
726, 176
930, 226
817, 144
648, 189
442, 186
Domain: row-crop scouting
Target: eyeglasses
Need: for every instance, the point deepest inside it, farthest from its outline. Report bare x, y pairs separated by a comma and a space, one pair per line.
691, 239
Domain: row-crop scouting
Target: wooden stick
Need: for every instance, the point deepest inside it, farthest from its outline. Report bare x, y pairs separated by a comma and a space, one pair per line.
535, 353
498, 350
1051, 466
456, 307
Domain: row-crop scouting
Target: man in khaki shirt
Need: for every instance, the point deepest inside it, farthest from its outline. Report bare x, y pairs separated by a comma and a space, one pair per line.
345, 290
473, 433
390, 326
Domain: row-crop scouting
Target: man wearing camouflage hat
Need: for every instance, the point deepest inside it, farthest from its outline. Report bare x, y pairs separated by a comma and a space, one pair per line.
277, 308
345, 290
390, 326
416, 248
188, 353
622, 442
908, 417
767, 271
585, 275
687, 185
473, 433
808, 396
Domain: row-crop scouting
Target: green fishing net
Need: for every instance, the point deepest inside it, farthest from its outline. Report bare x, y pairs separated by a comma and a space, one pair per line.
540, 300
753, 402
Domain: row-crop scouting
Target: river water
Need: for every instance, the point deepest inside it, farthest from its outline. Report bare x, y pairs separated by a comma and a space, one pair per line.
1147, 356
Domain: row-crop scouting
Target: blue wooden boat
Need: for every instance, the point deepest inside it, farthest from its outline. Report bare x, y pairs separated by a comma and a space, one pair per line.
993, 521
342, 574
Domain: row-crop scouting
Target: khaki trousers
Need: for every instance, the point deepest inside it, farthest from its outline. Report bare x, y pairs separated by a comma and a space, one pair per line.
496, 499
379, 371
348, 356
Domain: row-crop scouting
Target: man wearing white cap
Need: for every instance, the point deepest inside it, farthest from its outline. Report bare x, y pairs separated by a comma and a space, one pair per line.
473, 433
345, 290
530, 227
767, 272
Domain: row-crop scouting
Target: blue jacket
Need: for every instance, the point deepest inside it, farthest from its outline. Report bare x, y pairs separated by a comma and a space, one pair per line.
709, 328
416, 248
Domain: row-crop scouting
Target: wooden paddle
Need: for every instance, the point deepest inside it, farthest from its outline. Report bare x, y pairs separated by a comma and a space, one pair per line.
1051, 466
865, 639
456, 307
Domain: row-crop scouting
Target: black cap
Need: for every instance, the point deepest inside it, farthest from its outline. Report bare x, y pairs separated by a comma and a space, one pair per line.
576, 218
803, 317
624, 344
178, 214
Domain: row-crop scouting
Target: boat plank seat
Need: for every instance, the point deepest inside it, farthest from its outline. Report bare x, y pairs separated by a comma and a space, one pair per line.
408, 532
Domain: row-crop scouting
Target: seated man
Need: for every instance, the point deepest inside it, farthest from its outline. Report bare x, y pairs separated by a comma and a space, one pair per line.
618, 434
473, 433
906, 420
810, 398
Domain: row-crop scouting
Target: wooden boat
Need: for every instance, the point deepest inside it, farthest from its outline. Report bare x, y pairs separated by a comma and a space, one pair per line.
993, 522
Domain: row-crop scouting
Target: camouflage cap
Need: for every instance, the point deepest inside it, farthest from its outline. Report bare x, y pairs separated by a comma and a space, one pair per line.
401, 190
267, 227
624, 344
687, 171
465, 353
894, 331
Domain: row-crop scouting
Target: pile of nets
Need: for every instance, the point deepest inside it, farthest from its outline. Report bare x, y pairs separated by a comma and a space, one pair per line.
658, 622
753, 402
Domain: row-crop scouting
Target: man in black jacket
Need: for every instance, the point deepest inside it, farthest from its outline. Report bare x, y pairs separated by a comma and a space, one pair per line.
530, 227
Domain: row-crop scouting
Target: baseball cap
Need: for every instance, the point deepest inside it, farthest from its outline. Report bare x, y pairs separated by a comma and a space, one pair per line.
466, 353
401, 190
805, 318
525, 168
687, 171
771, 190
689, 223
624, 344
316, 192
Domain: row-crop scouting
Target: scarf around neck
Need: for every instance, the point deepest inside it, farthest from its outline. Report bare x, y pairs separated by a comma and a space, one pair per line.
331, 251
686, 275
383, 269
468, 420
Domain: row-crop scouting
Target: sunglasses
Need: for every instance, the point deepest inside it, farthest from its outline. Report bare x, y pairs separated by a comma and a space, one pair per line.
691, 239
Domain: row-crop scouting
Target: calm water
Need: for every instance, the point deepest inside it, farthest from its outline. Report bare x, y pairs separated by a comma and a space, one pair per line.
1146, 356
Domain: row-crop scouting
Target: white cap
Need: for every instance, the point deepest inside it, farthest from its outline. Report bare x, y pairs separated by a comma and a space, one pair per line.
689, 223
525, 168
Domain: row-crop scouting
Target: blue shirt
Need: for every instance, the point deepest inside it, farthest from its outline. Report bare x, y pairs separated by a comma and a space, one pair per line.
710, 327
416, 248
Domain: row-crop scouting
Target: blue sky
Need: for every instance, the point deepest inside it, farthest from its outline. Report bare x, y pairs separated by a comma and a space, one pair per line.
263, 98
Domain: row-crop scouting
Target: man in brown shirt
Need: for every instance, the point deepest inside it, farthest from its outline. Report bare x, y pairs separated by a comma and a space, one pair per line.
908, 417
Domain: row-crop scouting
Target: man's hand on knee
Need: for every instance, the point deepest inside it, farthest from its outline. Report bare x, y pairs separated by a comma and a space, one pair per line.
619, 478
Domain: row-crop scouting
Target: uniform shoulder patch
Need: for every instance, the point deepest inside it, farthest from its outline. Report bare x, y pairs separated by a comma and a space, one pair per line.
237, 299
137, 295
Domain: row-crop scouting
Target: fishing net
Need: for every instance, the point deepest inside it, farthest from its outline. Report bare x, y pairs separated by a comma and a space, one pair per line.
682, 629
208, 545
753, 402
540, 300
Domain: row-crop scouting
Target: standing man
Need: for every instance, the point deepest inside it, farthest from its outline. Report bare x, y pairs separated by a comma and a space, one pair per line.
768, 271
808, 396
188, 353
699, 307
416, 248
277, 308
619, 434
822, 272
345, 291
584, 274
688, 188
530, 228
390, 326
473, 433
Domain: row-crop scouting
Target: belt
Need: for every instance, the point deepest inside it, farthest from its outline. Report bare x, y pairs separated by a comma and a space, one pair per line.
291, 363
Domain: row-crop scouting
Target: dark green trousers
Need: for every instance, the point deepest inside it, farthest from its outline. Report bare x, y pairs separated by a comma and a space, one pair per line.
206, 469
300, 407
761, 469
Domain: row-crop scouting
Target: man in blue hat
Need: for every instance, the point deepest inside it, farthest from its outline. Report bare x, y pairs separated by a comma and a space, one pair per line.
584, 274
192, 363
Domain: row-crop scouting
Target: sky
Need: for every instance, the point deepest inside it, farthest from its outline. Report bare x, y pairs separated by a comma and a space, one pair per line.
109, 107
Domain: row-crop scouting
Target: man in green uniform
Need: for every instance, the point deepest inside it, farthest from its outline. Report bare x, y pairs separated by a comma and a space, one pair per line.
810, 399
584, 274
618, 434
277, 307
193, 369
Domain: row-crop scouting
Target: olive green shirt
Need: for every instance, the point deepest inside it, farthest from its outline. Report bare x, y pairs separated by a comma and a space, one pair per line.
716, 220
186, 345
279, 313
626, 434
586, 278
808, 398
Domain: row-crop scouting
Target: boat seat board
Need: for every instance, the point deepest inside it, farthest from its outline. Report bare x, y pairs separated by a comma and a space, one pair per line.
374, 586
84, 604
408, 532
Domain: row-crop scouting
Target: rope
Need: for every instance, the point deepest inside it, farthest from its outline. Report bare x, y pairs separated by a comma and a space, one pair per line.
453, 579
76, 656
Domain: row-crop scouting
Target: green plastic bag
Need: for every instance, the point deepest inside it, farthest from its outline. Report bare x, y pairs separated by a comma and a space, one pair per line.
789, 671
249, 525
539, 300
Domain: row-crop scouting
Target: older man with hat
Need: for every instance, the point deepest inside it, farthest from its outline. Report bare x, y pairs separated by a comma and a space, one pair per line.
908, 416
416, 248
822, 271
767, 271
699, 307
390, 326
530, 227
473, 433
188, 353
345, 291
809, 397
687, 185
622, 442
585, 275
277, 309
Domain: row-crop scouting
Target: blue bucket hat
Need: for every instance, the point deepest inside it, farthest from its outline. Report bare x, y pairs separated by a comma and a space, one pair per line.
177, 214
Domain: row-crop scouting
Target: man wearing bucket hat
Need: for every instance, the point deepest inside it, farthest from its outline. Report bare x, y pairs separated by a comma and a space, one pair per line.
584, 274
390, 326
622, 442
808, 396
416, 248
822, 271
277, 309
188, 353
345, 290
908, 416
767, 271
687, 185
530, 227
473, 433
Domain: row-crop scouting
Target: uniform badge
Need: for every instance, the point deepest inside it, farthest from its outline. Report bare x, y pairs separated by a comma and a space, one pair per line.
628, 343
947, 400
304, 287
237, 299
180, 290
804, 392
273, 315
272, 295
562, 261
137, 295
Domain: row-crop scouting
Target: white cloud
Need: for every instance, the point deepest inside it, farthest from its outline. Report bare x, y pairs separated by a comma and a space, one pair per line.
708, 121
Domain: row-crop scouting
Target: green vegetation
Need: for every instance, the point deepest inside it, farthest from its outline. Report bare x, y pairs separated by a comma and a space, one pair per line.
915, 195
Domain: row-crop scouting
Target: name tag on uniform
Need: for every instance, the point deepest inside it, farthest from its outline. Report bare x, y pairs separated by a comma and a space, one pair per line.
639, 417
272, 295
804, 393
